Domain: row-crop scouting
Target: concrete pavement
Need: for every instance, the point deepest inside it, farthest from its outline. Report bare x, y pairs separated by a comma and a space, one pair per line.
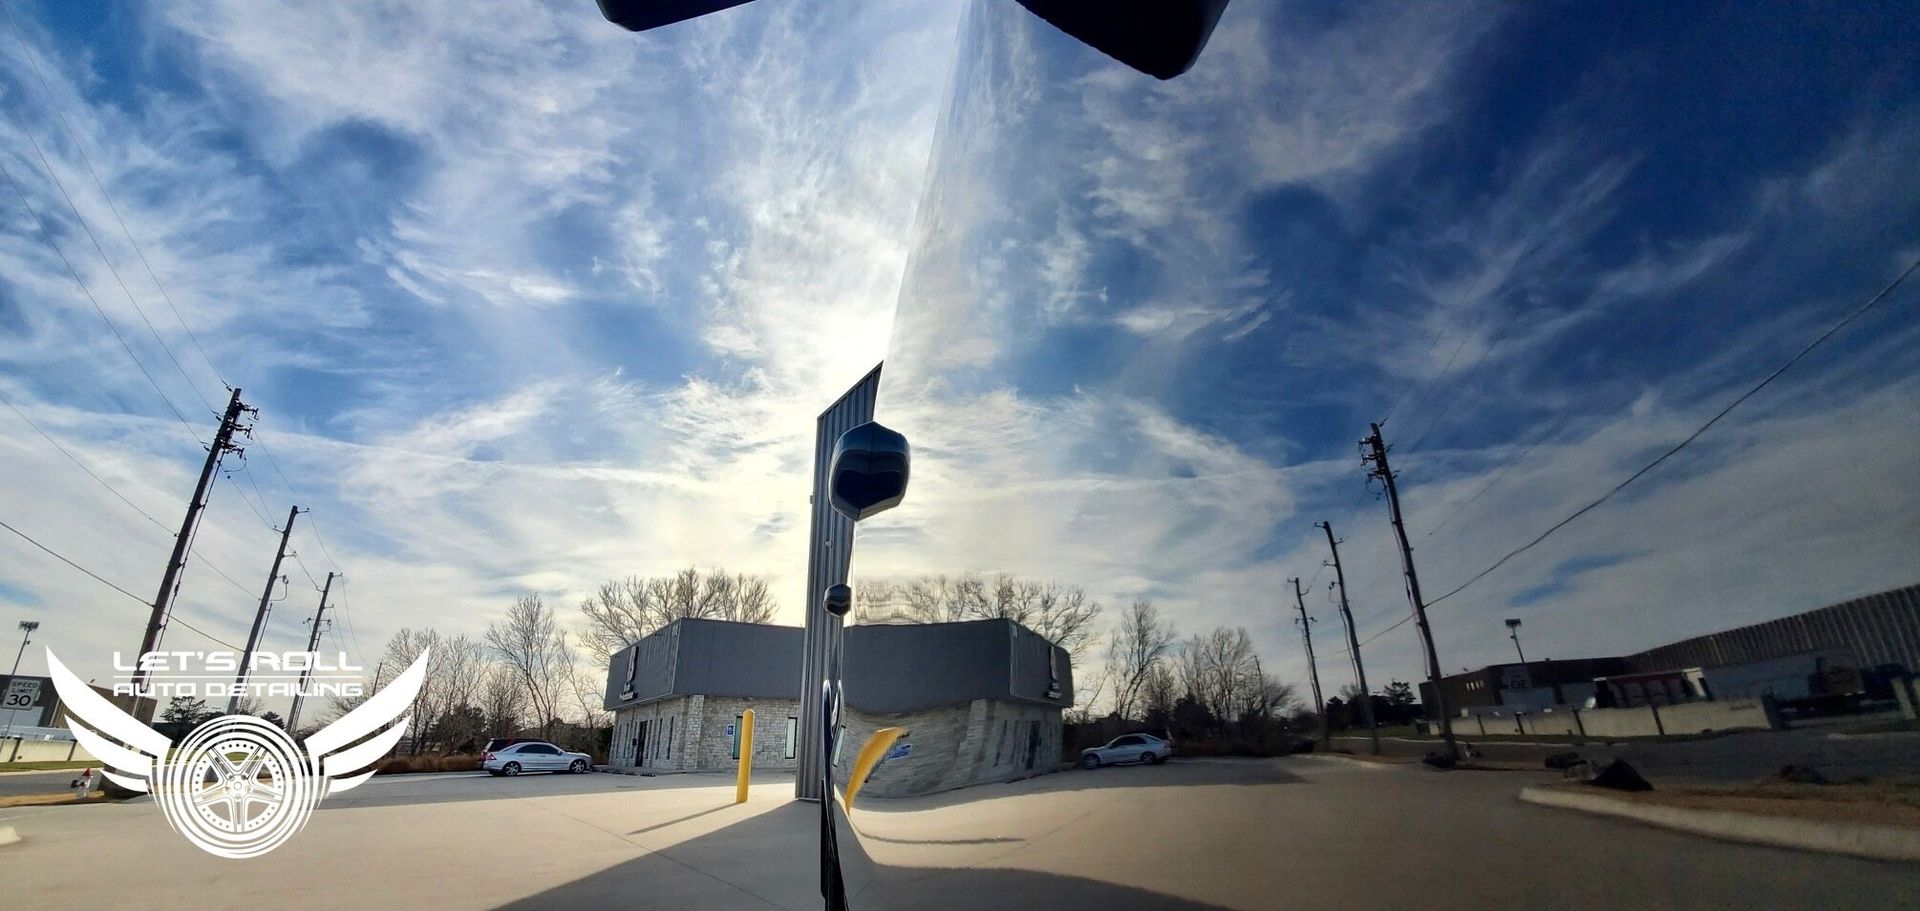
1744, 756
1194, 833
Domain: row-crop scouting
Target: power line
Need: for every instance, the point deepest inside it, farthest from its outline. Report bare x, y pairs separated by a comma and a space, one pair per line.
83, 466
1497, 478
19, 37
1836, 327
113, 490
48, 235
81, 220
303, 568
62, 558
98, 578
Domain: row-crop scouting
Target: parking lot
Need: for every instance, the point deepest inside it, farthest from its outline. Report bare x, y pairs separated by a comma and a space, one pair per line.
1193, 833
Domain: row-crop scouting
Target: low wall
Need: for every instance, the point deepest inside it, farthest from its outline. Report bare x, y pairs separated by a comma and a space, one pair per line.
1719, 715
1906, 691
1634, 722
1551, 724
13, 750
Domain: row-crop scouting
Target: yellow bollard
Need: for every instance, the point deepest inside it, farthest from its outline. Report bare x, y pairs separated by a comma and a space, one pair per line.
870, 756
746, 757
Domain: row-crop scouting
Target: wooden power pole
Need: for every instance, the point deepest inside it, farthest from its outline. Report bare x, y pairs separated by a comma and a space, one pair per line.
1313, 668
1374, 450
313, 645
1353, 641
170, 580
260, 615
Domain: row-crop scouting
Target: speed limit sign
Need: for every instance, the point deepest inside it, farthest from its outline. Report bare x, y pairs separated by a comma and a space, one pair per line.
21, 694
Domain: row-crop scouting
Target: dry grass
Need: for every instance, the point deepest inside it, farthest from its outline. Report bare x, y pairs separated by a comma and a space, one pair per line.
49, 800
48, 765
452, 762
1893, 803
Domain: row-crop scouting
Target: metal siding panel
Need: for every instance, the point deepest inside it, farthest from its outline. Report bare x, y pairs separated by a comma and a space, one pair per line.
718, 658
1907, 607
891, 669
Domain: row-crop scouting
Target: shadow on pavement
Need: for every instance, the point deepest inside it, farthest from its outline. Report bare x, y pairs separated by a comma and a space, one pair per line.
772, 859
1175, 773
690, 816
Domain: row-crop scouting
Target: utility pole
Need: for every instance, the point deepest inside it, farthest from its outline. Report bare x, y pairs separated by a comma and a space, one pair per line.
170, 580
1374, 450
313, 645
1313, 669
1353, 641
260, 615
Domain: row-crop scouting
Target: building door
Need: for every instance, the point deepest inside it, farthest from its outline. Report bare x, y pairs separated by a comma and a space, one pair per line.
1033, 742
640, 745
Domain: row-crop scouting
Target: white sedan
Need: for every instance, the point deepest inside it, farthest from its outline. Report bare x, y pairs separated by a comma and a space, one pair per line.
534, 756
1127, 748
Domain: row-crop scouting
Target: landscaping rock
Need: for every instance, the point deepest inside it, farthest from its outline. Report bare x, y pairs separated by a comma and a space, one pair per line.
1801, 774
1619, 776
1563, 760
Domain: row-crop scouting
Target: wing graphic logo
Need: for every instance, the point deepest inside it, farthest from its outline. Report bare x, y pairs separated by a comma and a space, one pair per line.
237, 786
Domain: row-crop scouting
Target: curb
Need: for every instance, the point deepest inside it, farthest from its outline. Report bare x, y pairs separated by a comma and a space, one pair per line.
1874, 842
1349, 760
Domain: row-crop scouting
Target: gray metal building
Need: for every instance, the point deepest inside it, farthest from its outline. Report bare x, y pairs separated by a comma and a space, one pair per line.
981, 700
1877, 629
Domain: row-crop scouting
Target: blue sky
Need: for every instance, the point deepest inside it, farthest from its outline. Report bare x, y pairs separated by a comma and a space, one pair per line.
529, 302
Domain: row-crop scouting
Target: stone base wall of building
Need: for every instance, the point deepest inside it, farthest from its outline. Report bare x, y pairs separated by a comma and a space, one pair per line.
690, 734
660, 744
955, 746
772, 720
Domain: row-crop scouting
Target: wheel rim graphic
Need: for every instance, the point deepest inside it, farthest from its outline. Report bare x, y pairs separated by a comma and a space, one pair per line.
238, 787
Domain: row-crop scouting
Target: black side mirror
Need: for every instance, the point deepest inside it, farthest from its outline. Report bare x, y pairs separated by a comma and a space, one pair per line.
839, 599
868, 474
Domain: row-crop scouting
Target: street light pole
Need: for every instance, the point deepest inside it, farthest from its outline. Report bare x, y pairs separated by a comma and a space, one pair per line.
26, 628
1513, 632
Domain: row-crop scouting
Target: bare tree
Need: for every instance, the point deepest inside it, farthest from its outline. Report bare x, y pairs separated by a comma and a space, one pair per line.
622, 611
1062, 614
1220, 671
532, 644
502, 701
1137, 649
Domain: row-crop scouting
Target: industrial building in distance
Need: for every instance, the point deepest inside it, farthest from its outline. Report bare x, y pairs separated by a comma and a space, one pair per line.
1862, 648
981, 700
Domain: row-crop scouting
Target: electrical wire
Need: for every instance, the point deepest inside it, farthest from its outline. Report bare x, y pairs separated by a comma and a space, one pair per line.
1683, 444
19, 34
54, 176
103, 581
83, 466
48, 235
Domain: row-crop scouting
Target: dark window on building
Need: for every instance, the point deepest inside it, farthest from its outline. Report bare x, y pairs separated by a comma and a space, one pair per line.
793, 736
737, 721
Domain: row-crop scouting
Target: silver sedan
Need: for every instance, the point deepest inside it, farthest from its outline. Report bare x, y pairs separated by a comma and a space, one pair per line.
1127, 748
534, 756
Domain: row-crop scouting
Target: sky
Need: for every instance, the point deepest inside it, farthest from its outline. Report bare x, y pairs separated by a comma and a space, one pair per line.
528, 302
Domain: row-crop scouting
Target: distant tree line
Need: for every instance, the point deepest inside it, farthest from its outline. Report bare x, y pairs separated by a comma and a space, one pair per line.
1060, 613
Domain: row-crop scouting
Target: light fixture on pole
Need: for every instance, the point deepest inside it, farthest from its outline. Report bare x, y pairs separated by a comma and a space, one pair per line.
26, 628
1513, 632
